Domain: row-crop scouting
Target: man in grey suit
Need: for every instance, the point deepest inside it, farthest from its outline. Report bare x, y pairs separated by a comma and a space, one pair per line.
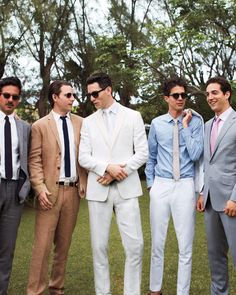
15, 185
219, 194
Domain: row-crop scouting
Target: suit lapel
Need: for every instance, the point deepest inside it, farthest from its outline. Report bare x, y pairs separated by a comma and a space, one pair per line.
119, 121
20, 132
76, 132
53, 128
101, 125
208, 138
227, 124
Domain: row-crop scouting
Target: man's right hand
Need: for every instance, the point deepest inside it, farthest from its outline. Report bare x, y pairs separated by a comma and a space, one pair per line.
117, 171
200, 204
44, 202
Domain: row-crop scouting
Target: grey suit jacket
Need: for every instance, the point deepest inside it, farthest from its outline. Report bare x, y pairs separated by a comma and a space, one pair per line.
220, 168
23, 130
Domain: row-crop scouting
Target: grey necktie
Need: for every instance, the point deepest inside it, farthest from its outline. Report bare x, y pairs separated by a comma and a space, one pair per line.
108, 121
176, 170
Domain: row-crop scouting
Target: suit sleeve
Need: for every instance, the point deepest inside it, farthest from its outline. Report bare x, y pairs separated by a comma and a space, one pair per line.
35, 161
140, 145
86, 159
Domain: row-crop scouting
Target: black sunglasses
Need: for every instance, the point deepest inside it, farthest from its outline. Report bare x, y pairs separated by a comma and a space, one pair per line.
95, 94
7, 95
69, 95
177, 95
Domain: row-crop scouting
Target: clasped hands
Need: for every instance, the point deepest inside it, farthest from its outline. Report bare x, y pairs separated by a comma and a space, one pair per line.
113, 172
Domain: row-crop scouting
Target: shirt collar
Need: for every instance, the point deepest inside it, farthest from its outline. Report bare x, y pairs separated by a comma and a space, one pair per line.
57, 116
169, 118
224, 116
3, 115
113, 108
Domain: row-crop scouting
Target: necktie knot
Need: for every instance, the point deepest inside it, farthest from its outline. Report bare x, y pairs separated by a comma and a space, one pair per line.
63, 118
7, 119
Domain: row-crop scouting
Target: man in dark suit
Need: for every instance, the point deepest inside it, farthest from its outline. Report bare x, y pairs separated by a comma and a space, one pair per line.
219, 194
14, 186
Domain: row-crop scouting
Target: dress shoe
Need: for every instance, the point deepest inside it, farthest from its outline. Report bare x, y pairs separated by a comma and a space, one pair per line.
155, 293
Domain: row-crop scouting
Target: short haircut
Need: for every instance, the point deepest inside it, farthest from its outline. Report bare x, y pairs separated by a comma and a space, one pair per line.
102, 79
10, 81
55, 88
224, 84
171, 83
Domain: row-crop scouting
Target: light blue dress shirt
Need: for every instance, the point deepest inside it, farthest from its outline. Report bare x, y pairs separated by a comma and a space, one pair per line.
160, 143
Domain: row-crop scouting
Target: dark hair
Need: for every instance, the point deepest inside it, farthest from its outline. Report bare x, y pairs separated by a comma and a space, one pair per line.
224, 84
14, 81
172, 82
55, 88
102, 79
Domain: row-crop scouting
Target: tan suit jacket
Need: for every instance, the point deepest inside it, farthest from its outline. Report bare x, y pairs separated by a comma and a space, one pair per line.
45, 156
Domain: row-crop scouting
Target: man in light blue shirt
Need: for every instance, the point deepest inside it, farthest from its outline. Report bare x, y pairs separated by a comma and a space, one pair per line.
175, 144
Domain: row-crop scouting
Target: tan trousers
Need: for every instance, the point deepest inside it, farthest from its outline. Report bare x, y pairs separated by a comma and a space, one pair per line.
53, 226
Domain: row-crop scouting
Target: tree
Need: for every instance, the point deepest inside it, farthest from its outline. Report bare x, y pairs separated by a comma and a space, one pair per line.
47, 24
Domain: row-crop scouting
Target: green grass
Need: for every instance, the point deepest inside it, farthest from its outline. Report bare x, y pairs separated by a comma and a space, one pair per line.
79, 276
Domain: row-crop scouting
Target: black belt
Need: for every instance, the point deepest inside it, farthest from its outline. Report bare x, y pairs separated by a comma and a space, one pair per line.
67, 183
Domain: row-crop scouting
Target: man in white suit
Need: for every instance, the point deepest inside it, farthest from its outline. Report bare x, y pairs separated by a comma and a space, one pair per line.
113, 146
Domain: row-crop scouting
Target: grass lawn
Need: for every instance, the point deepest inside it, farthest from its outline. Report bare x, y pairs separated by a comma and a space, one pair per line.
79, 276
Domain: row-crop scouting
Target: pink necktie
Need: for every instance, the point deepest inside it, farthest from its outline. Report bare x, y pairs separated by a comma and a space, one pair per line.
214, 134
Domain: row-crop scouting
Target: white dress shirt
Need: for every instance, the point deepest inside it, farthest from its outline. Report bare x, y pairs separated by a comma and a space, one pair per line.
15, 146
58, 120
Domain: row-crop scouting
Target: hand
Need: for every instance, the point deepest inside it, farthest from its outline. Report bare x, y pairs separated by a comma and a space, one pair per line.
200, 204
105, 180
44, 202
230, 208
187, 118
117, 171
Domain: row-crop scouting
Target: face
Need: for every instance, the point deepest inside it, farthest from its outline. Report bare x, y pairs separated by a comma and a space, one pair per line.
9, 99
176, 105
101, 98
217, 100
64, 101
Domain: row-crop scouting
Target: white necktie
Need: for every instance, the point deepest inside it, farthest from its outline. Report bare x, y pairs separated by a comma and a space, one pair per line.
108, 121
176, 170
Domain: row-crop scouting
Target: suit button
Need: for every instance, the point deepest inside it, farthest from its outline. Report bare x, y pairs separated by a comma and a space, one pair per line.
58, 168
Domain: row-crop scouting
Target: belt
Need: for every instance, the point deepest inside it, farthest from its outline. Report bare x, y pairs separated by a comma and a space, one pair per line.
67, 183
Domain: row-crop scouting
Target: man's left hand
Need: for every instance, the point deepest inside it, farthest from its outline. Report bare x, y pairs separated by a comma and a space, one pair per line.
105, 179
230, 208
187, 118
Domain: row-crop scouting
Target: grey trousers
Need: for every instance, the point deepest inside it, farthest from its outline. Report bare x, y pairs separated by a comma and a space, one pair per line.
221, 237
10, 215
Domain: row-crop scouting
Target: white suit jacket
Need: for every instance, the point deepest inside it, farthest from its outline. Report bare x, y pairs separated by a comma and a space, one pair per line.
127, 145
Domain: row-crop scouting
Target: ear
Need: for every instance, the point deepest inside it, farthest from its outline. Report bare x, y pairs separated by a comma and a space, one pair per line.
54, 97
227, 94
166, 98
109, 89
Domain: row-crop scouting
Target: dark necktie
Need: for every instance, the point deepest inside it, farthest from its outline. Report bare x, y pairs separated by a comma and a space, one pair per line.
67, 146
8, 149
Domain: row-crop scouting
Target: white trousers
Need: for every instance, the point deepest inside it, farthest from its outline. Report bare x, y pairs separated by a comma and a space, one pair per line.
129, 223
177, 199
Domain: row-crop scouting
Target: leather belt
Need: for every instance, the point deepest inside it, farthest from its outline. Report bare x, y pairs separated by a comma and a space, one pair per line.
67, 183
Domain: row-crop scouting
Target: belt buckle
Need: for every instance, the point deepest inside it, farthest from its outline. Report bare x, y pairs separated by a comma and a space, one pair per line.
67, 182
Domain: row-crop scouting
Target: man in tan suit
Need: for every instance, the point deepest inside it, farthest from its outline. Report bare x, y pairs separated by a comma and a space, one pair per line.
58, 180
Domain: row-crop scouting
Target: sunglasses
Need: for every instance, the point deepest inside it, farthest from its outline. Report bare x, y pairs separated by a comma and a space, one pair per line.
177, 95
69, 95
95, 94
7, 95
